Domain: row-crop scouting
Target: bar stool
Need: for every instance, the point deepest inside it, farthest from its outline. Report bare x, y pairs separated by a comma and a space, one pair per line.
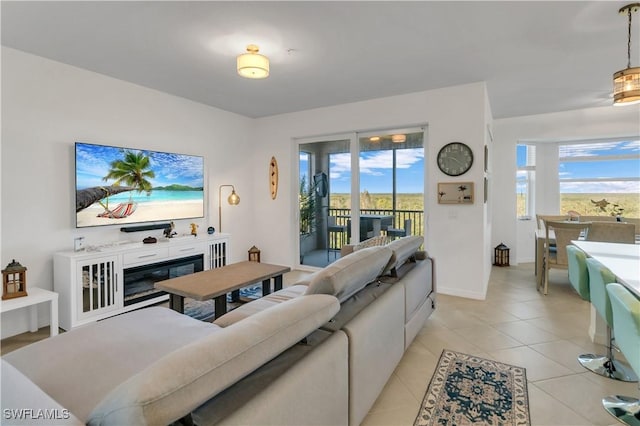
336, 236
579, 279
626, 321
606, 366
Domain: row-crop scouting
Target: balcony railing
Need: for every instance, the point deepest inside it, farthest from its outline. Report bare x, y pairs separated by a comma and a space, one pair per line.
399, 218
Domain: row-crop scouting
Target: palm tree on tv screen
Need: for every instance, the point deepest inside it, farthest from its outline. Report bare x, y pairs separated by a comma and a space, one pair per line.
133, 171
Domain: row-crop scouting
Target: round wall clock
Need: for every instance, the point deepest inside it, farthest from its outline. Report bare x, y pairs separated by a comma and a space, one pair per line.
273, 177
455, 159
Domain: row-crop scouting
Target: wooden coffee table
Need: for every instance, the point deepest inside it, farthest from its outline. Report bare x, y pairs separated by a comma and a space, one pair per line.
216, 283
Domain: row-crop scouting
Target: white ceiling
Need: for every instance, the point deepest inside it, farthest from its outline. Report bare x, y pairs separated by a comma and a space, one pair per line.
535, 56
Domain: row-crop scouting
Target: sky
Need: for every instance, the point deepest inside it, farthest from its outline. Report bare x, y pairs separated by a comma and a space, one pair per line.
93, 163
376, 169
607, 169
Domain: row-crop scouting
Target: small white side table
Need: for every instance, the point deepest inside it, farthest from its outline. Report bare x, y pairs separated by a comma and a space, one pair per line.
35, 296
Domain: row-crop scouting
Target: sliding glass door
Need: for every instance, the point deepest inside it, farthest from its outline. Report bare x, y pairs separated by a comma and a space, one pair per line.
382, 173
325, 175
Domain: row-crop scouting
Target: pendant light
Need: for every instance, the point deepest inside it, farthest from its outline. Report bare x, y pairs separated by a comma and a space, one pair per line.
626, 83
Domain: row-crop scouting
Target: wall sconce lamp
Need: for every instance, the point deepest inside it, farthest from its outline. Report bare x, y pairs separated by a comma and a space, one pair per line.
233, 199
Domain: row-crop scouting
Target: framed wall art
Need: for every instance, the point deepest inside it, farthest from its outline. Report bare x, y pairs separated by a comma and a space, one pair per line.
455, 192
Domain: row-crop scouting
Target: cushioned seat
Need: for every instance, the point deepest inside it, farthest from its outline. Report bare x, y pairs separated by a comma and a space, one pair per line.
625, 308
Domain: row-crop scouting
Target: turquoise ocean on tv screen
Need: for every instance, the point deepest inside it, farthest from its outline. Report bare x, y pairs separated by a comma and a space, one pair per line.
157, 196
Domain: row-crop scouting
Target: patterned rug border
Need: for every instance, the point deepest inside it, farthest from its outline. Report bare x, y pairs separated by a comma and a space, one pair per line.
426, 415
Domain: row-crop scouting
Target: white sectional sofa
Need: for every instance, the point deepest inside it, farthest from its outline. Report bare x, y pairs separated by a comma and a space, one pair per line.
318, 352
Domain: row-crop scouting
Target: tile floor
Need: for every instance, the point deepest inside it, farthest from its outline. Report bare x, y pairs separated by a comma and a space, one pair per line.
516, 325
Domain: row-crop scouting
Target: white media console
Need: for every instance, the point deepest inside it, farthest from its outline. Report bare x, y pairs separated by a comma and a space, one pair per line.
108, 280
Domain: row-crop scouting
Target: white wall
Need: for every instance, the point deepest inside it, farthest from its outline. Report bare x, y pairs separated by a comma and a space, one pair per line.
47, 106
454, 234
592, 123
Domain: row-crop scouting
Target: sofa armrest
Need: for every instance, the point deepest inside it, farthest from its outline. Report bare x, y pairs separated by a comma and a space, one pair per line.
24, 403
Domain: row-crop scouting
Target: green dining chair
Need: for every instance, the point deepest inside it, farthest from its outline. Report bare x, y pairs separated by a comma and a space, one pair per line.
578, 273
626, 321
606, 366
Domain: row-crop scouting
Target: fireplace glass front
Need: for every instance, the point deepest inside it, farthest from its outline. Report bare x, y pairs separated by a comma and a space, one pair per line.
139, 281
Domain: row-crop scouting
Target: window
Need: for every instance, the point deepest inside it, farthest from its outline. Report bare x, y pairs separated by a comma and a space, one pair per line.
525, 179
601, 170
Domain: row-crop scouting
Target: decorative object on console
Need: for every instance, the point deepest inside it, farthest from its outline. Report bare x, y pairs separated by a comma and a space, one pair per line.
455, 159
169, 230
501, 255
273, 177
211, 230
149, 240
455, 192
194, 229
234, 200
78, 243
252, 64
254, 254
626, 83
14, 281
467, 389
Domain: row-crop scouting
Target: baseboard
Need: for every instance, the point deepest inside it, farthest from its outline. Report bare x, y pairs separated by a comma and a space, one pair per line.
460, 293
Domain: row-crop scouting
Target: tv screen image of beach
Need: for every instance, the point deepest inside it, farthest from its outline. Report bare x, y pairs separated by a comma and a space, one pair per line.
117, 186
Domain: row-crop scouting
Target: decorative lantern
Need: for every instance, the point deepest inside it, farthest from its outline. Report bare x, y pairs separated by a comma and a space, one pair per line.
254, 254
14, 280
501, 255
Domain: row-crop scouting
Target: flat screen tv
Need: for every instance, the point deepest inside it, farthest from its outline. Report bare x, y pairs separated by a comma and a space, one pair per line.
116, 186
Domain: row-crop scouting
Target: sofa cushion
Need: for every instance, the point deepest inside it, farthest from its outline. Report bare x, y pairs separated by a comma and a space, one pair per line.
179, 382
403, 249
247, 309
349, 274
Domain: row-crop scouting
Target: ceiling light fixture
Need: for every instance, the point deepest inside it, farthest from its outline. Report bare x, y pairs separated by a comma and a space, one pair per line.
626, 83
398, 138
252, 64
374, 139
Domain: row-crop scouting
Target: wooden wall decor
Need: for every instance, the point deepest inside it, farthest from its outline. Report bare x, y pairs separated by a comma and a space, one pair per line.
273, 177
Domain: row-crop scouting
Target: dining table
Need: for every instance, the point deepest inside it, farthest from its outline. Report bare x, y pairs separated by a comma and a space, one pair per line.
623, 260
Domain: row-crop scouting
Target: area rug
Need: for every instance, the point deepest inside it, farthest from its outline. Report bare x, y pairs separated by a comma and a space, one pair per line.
205, 310
467, 389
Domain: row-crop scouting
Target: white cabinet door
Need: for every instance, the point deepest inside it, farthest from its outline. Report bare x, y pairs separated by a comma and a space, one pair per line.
100, 290
217, 253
